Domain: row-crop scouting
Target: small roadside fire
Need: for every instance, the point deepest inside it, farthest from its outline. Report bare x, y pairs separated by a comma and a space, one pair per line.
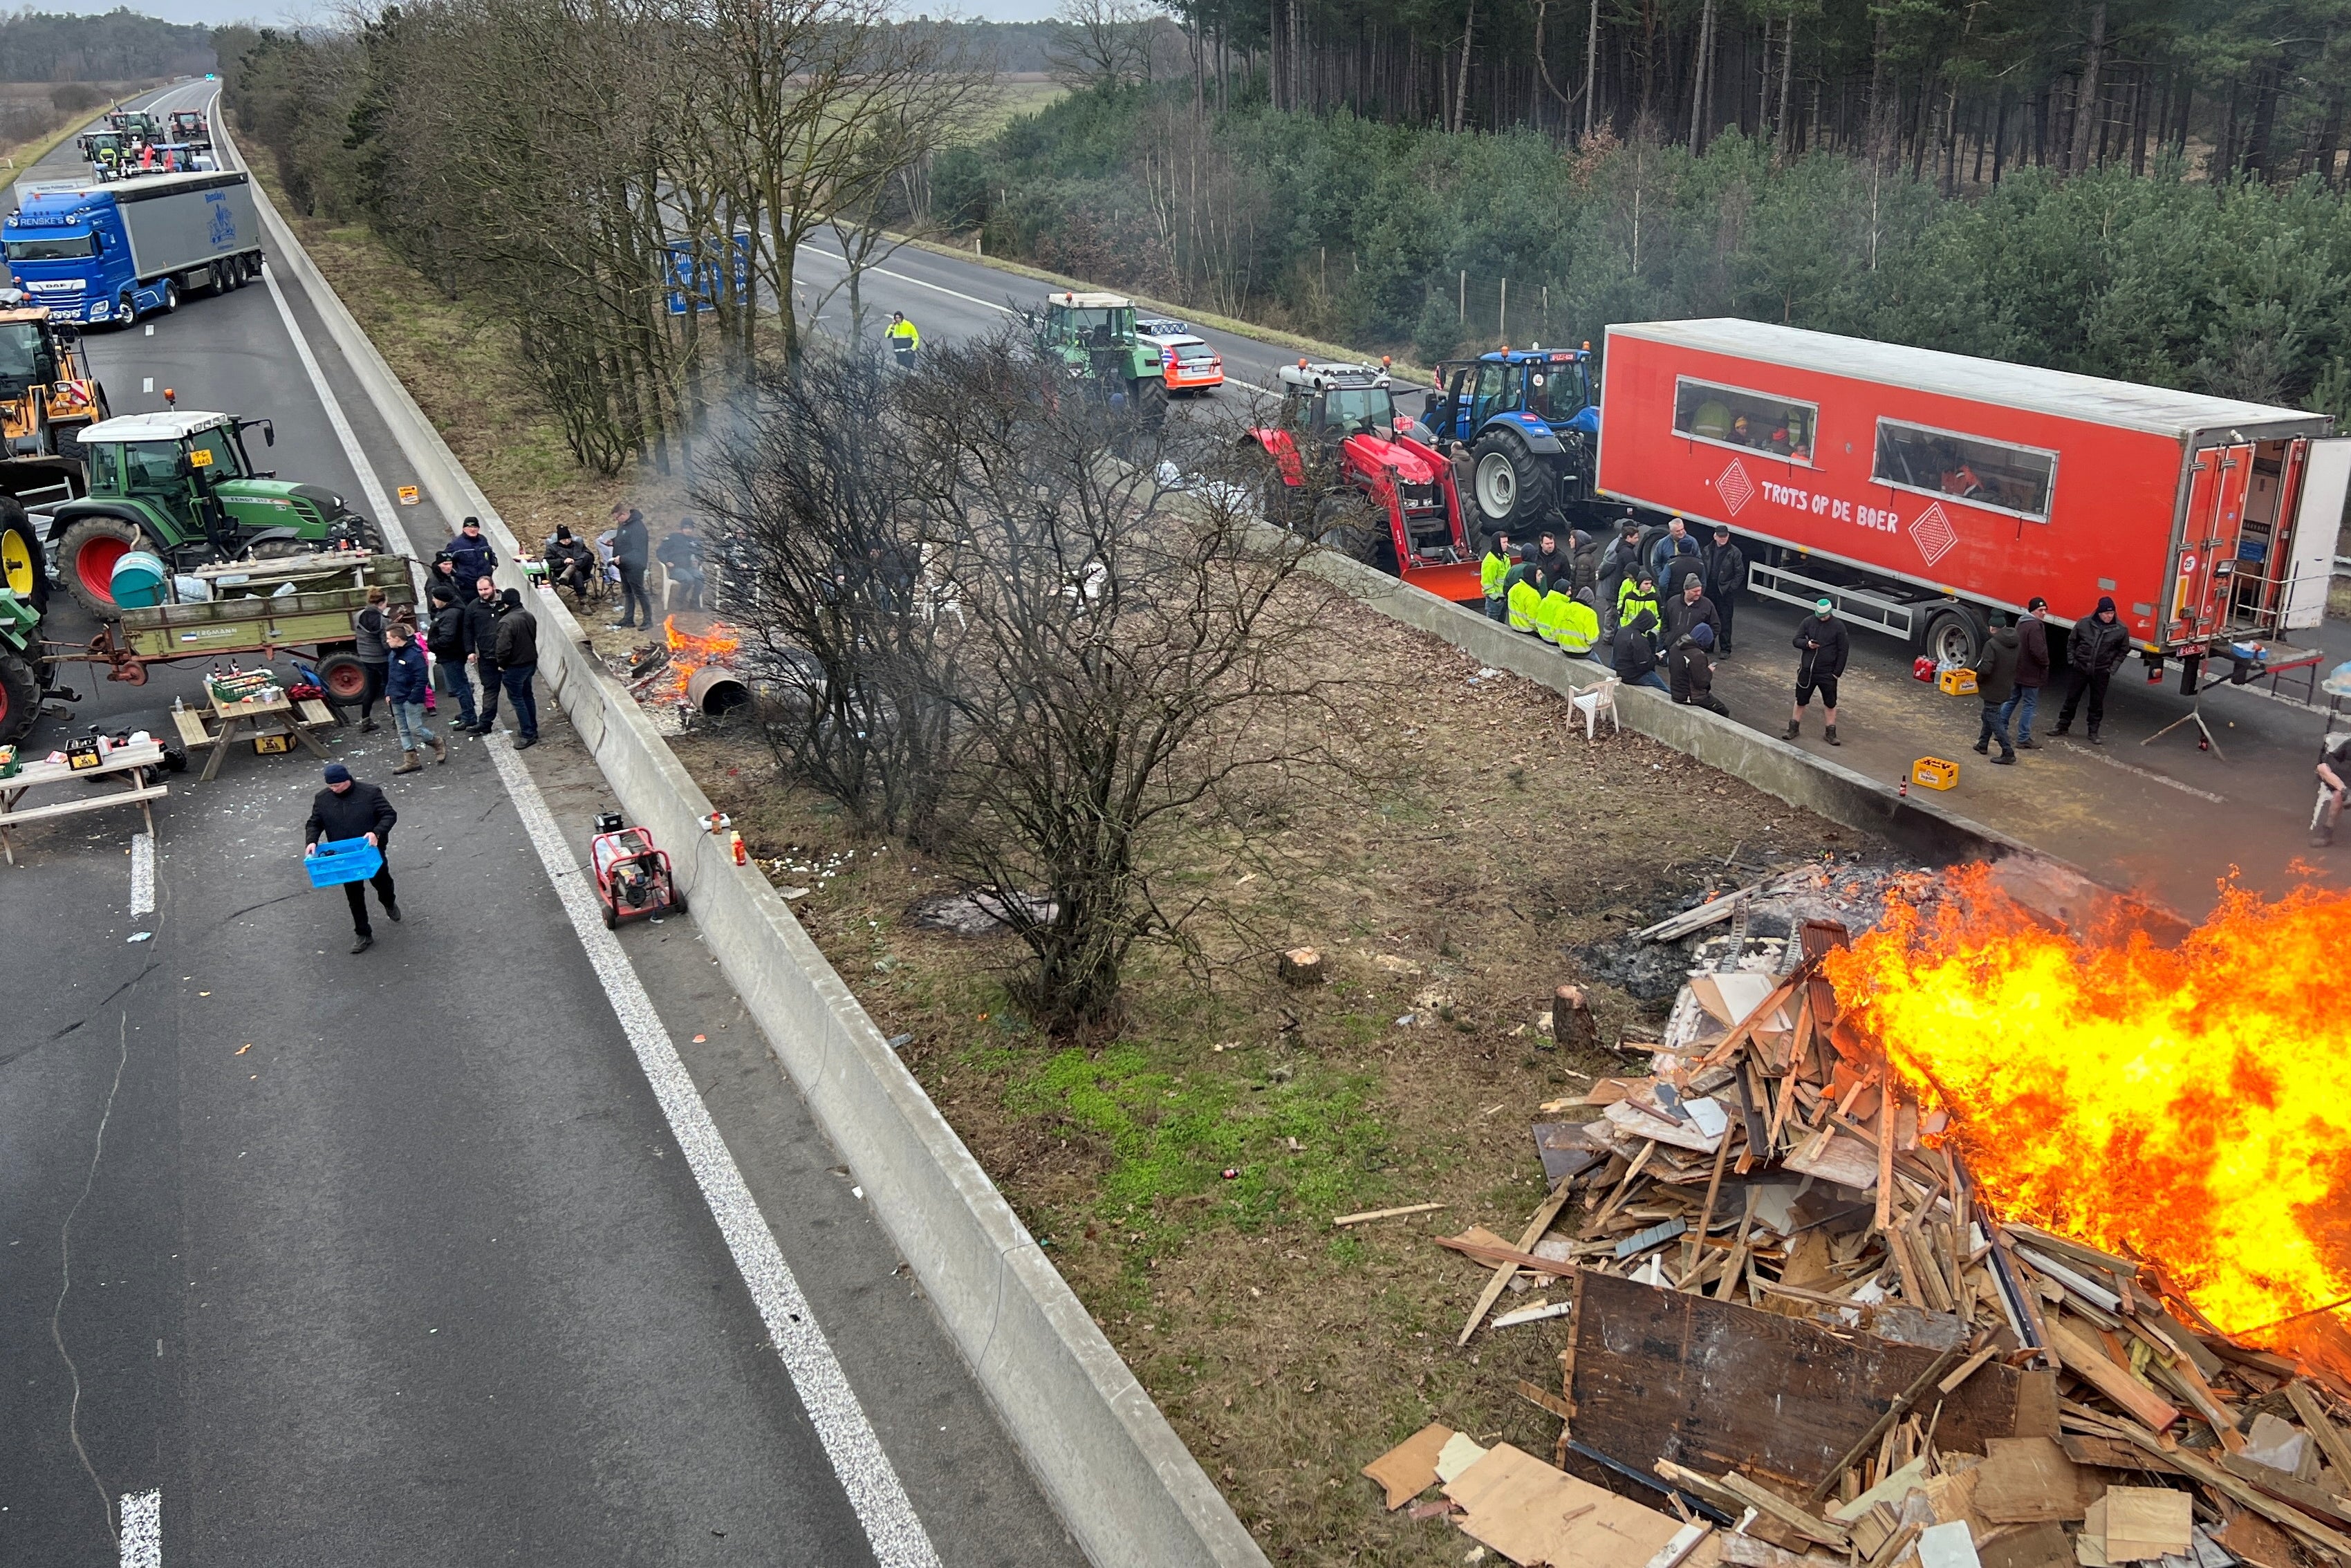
2180, 1105
689, 651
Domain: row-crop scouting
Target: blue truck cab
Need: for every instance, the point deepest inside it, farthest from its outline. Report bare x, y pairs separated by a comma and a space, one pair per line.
1532, 423
125, 248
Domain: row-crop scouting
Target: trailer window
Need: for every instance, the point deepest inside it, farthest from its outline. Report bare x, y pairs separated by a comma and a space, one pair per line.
1981, 473
1735, 416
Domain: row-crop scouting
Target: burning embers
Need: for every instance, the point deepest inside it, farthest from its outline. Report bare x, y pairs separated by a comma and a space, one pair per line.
689, 651
2183, 1107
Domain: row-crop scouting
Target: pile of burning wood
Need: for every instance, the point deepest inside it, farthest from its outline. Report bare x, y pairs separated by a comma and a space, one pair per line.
1795, 1333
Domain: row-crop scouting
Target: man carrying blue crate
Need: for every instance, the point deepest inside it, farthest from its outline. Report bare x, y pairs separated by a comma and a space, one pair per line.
347, 809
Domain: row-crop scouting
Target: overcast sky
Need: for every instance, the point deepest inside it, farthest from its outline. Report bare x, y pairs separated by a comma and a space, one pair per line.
215, 12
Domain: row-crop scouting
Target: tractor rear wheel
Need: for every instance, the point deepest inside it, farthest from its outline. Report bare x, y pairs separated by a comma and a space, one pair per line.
21, 568
1513, 486
1345, 524
20, 697
86, 558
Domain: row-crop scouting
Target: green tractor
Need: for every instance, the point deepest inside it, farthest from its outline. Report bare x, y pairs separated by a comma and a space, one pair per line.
20, 676
1094, 338
178, 485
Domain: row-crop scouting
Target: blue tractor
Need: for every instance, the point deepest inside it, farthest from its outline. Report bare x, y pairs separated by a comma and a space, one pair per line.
1532, 423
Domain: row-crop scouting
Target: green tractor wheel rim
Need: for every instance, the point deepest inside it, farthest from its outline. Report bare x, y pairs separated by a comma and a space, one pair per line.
15, 564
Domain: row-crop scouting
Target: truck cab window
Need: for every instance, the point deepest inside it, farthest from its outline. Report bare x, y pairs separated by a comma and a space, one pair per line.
57, 247
1735, 416
1982, 472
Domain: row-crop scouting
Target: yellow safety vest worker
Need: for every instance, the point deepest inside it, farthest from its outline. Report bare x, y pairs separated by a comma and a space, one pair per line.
1525, 603
1547, 617
1631, 602
904, 330
1491, 571
1576, 622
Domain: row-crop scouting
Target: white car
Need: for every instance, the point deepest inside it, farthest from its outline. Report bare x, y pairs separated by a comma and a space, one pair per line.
1185, 363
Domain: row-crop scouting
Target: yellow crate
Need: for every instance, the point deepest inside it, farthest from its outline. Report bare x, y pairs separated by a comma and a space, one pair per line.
271, 745
1934, 773
1957, 683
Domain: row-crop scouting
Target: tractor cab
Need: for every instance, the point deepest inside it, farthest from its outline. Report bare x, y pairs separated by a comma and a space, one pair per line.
1530, 421
189, 125
1333, 401
1092, 337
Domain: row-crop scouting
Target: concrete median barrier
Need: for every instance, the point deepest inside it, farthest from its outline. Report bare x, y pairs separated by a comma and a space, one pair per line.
1123, 1483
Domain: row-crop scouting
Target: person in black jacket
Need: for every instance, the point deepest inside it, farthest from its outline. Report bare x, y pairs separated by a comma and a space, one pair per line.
630, 551
570, 563
1635, 651
1821, 650
1723, 568
1690, 671
682, 553
482, 647
1688, 610
347, 809
469, 553
2094, 653
1995, 670
517, 651
445, 638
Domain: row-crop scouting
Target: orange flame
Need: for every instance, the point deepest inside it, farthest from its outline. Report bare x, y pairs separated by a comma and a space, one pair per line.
2183, 1107
688, 651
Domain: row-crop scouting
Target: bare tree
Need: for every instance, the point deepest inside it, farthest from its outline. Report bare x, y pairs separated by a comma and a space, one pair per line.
1101, 43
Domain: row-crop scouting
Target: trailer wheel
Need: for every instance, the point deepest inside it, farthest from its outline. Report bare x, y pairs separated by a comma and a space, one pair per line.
1954, 637
343, 677
21, 568
86, 559
20, 697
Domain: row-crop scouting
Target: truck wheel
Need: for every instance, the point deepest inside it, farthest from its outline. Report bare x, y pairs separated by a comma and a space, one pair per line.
1954, 637
22, 571
1511, 483
171, 295
126, 309
86, 559
20, 698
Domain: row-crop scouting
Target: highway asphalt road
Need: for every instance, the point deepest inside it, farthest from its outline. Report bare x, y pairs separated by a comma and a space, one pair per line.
396, 1257
2166, 819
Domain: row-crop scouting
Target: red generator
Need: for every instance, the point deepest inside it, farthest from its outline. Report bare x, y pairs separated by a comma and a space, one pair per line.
632, 876
1920, 491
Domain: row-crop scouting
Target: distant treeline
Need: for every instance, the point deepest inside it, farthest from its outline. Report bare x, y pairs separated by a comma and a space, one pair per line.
1015, 49
121, 44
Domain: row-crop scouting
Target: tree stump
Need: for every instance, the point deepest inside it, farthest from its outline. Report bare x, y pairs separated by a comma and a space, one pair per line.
1301, 967
1571, 1023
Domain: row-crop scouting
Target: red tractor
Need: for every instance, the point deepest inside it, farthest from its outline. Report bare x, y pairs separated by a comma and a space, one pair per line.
1346, 457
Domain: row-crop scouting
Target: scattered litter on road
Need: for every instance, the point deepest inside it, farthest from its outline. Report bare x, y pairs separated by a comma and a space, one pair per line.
139, 936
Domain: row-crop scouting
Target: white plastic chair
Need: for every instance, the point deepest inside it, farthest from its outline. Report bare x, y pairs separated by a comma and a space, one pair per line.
1594, 700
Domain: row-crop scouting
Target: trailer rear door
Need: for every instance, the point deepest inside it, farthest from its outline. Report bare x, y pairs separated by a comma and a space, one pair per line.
2317, 525
2207, 566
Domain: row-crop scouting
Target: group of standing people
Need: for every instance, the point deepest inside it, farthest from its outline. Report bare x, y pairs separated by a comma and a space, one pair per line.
477, 632
572, 563
2014, 667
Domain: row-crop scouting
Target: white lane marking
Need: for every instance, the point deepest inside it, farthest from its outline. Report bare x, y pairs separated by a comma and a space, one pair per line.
377, 497
973, 299
151, 329
865, 1472
147, 383
143, 873
2148, 774
142, 1529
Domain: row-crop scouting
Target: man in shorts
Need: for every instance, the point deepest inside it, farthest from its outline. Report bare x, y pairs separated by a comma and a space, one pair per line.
1821, 649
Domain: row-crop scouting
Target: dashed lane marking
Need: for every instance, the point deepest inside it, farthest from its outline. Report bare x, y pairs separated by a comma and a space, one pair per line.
143, 873
142, 1529
864, 1470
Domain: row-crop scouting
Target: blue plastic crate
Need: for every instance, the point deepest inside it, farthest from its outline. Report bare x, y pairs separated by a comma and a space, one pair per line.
340, 861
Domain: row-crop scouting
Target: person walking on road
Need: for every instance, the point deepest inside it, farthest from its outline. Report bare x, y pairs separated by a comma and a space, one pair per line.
349, 809
406, 682
630, 553
367, 646
1723, 567
1995, 670
904, 339
2032, 672
445, 638
518, 664
469, 553
482, 647
2334, 781
1821, 650
2094, 653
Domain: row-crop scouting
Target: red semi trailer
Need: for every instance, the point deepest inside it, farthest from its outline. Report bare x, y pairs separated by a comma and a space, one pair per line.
1921, 490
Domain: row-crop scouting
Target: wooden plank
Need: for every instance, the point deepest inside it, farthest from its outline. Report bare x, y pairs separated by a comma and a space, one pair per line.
1543, 1215
1530, 1512
1962, 1372
1371, 1214
1715, 1385
2282, 1486
2095, 1367
1803, 1520
2229, 1486
1902, 1405
2328, 1435
2030, 1481
1542, 1398
10, 817
2148, 1521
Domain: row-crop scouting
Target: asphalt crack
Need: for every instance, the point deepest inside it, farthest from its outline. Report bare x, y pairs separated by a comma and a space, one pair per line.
64, 1287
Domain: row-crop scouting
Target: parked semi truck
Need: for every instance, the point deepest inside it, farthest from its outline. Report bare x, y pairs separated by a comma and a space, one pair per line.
118, 251
1922, 491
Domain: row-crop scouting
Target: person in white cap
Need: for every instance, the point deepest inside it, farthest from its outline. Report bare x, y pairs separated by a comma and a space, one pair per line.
1821, 649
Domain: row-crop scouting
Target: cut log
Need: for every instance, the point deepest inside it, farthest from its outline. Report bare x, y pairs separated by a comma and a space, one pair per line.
1571, 1023
1302, 966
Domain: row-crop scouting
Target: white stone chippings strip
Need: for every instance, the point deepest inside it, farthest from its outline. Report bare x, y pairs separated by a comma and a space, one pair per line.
143, 873
142, 1529
866, 1475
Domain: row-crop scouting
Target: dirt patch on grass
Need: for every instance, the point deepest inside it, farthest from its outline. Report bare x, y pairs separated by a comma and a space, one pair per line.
1184, 1173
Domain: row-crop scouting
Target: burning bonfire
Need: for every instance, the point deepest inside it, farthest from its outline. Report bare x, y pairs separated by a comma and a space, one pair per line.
2172, 1105
689, 651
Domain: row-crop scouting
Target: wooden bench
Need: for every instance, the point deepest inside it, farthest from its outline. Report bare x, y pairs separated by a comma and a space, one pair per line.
130, 764
297, 719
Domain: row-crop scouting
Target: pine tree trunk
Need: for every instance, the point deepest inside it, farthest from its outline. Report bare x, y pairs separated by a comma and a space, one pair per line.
1591, 66
1461, 82
2086, 103
1698, 75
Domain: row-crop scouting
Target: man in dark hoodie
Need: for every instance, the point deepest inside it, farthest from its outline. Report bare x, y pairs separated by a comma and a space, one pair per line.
2093, 653
518, 650
1821, 649
1995, 670
2032, 672
1724, 567
482, 647
444, 636
1635, 651
1690, 671
349, 809
631, 548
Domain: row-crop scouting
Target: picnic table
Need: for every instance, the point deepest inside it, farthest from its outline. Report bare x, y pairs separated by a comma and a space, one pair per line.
130, 765
296, 719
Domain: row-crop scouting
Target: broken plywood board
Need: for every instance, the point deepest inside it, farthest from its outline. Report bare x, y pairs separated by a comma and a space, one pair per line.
2030, 1481
2148, 1521
2044, 1546
1532, 1513
1409, 1468
1716, 1386
1840, 1157
1460, 1452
